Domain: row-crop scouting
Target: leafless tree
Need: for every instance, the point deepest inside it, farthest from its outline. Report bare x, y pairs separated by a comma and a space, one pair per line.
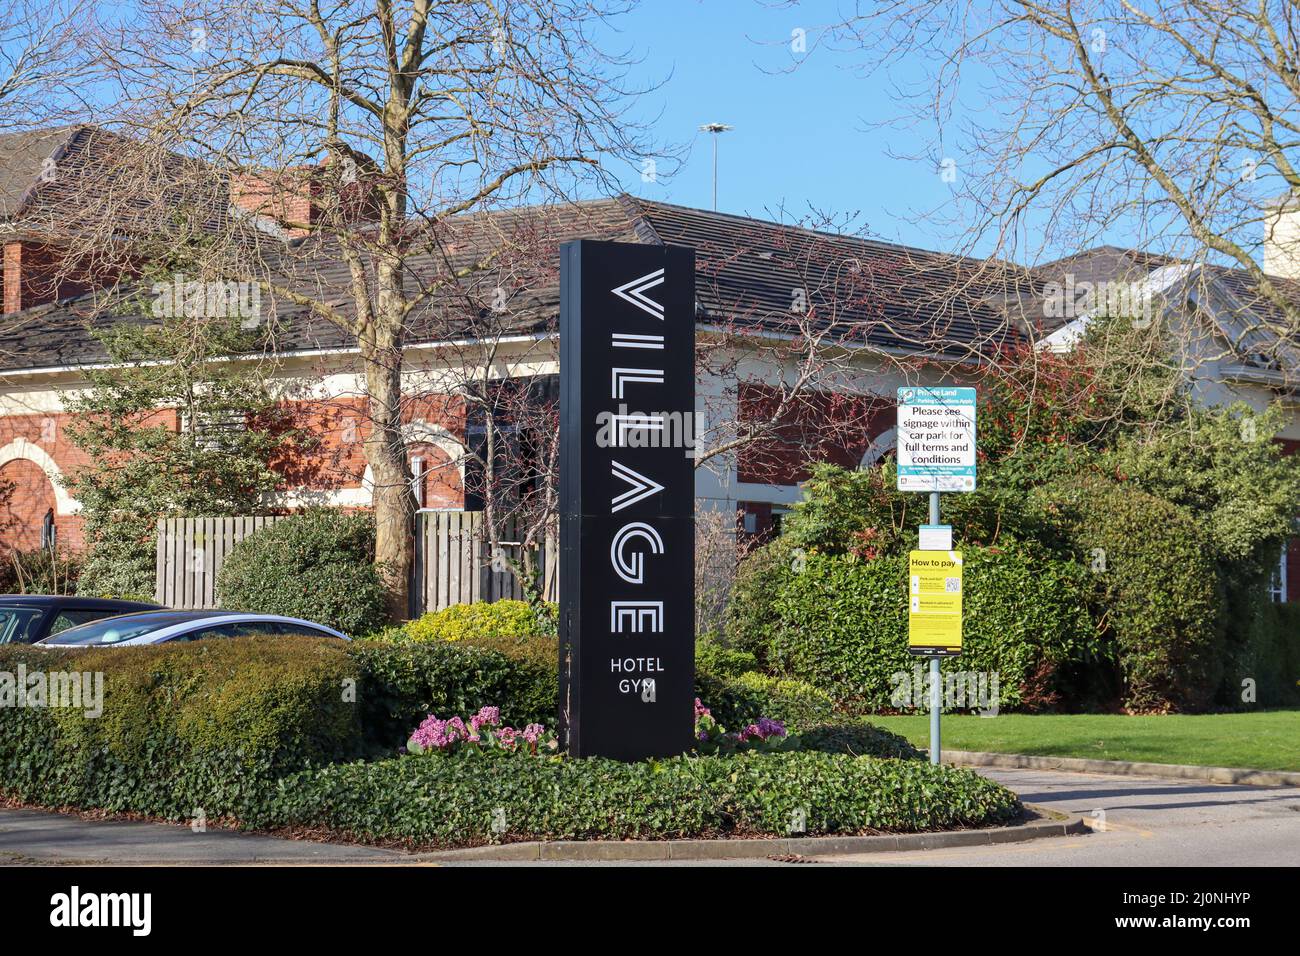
45, 54
1062, 123
345, 138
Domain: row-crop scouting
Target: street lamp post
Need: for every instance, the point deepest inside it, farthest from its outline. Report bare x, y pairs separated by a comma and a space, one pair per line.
715, 129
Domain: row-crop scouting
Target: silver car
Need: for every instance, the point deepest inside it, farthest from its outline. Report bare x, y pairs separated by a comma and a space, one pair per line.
165, 627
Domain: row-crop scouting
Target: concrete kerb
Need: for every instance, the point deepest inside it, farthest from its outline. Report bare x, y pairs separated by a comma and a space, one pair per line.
1049, 824
1227, 775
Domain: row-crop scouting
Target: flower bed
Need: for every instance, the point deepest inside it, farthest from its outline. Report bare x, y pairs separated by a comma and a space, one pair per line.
470, 798
267, 733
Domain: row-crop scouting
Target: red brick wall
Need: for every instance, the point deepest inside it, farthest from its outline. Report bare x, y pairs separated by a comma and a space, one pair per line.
825, 427
333, 460
27, 492
23, 512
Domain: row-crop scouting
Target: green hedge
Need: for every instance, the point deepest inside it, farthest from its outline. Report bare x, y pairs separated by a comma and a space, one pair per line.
841, 625
480, 619
401, 684
426, 678
1271, 658
752, 618
1155, 588
210, 725
317, 565
476, 798
859, 739
746, 697
195, 727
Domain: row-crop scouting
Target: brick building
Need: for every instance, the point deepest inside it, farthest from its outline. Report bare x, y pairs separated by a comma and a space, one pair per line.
891, 315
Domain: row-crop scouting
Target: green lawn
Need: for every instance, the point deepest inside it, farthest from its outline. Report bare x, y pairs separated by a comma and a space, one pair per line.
1268, 740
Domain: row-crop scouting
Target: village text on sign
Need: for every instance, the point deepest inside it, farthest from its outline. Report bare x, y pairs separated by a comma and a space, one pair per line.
627, 499
936, 439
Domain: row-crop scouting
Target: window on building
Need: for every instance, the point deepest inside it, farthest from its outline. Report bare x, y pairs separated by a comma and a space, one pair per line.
1277, 584
213, 430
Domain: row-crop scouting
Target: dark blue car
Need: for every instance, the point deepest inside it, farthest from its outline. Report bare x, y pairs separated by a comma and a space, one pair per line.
27, 618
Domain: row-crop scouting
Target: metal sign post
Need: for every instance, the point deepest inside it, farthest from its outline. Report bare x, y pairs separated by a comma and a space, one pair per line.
934, 663
936, 452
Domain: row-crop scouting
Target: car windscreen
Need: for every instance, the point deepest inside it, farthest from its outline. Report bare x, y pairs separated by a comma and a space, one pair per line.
115, 630
18, 625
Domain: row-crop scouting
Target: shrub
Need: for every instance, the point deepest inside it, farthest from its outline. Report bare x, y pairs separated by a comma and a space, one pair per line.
500, 619
1271, 657
256, 729
741, 700
751, 616
206, 726
400, 684
1222, 466
1155, 588
318, 565
39, 572
463, 799
842, 625
716, 659
860, 511
859, 739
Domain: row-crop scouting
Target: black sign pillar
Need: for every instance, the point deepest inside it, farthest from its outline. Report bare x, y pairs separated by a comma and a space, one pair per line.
627, 499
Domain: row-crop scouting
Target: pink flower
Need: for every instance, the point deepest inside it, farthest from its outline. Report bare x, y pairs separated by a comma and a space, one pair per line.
486, 717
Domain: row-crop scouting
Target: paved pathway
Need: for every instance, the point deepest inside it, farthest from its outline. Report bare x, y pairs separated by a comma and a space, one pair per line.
34, 836
1142, 822
1139, 821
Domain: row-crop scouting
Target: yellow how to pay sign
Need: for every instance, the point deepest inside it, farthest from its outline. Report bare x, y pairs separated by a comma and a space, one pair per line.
934, 603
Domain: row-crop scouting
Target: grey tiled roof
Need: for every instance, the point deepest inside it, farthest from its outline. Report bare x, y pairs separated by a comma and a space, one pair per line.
752, 275
23, 159
1258, 331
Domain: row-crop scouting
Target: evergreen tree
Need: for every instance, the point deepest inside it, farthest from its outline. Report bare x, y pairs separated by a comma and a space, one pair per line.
173, 427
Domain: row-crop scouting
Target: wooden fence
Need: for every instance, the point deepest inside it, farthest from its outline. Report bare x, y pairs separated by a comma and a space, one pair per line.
452, 563
190, 553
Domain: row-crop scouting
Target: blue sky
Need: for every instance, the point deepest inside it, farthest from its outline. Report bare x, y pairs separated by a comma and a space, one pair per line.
801, 137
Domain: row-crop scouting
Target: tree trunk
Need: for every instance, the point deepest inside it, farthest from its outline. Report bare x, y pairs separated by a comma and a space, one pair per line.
394, 498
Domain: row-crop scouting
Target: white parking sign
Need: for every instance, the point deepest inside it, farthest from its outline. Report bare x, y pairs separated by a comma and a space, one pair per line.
936, 439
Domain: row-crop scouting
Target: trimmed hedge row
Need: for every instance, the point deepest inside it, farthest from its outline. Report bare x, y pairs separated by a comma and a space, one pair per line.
841, 624
204, 727
400, 684
480, 620
210, 726
474, 798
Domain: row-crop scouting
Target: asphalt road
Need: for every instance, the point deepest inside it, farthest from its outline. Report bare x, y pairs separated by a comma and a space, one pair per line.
1138, 821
